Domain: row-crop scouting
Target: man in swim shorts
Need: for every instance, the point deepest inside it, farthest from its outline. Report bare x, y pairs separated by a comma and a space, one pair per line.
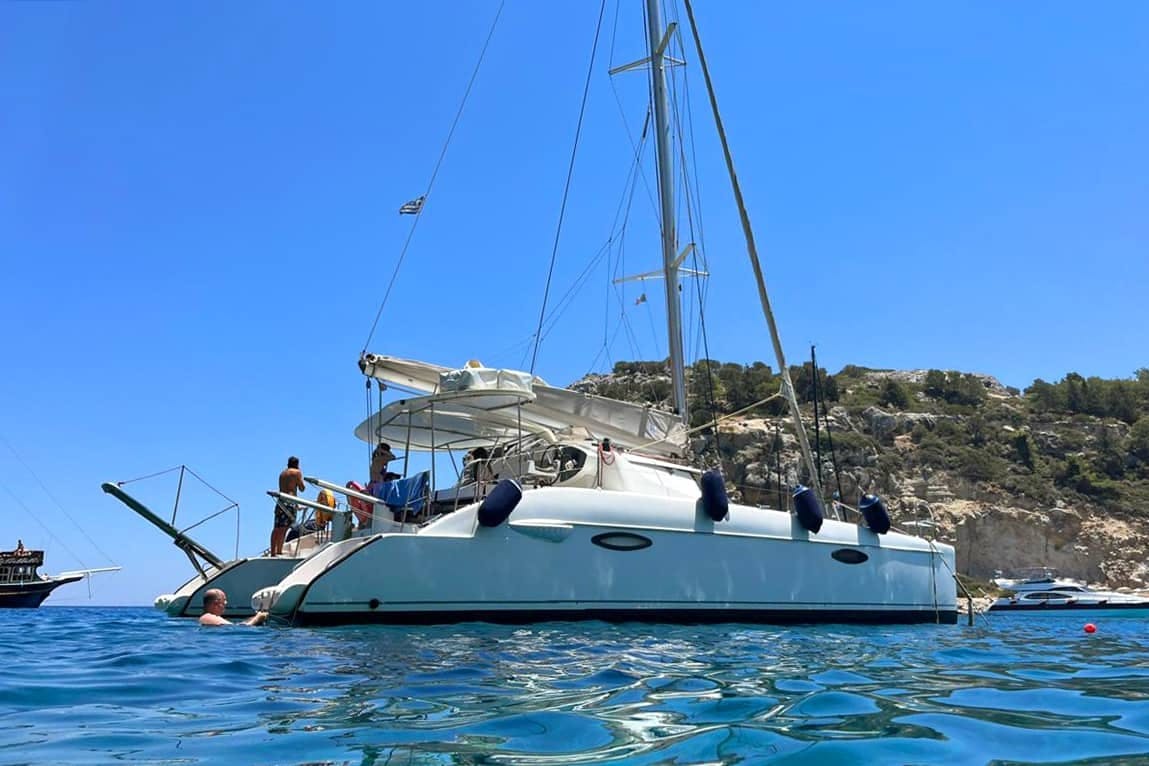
290, 482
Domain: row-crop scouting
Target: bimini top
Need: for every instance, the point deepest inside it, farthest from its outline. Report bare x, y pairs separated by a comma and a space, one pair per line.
475, 406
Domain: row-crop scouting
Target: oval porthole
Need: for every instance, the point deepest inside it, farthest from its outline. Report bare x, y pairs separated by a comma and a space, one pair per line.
621, 541
849, 556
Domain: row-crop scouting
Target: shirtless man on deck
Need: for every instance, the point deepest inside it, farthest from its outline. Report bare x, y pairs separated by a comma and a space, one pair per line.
290, 481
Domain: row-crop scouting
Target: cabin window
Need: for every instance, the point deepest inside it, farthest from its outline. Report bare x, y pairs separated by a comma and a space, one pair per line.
5, 573
849, 556
621, 541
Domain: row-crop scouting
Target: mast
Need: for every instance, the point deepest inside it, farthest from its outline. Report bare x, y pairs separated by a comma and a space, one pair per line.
658, 39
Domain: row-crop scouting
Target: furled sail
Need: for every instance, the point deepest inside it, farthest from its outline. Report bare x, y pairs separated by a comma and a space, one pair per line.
473, 406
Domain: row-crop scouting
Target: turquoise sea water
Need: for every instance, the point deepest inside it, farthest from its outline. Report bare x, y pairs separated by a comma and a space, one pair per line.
94, 685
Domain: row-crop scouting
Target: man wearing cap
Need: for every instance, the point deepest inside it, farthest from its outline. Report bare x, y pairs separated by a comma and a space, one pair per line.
379, 460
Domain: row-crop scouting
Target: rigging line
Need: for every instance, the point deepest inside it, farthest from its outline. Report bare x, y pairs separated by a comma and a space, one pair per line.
51, 537
688, 110
629, 333
613, 35
653, 330
568, 299
605, 306
622, 113
56, 502
752, 253
619, 292
567, 185
206, 519
149, 476
690, 201
576, 286
632, 340
820, 390
709, 376
628, 198
686, 198
213, 489
698, 256
434, 174
694, 207
637, 146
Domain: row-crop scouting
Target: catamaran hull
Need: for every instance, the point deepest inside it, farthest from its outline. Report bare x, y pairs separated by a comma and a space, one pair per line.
239, 579
687, 616
572, 554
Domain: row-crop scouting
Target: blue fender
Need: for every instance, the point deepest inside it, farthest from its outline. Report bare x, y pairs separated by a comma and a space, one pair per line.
714, 498
497, 506
808, 508
875, 513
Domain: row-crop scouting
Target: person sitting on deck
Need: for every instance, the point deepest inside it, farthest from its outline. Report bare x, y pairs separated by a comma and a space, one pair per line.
477, 466
379, 460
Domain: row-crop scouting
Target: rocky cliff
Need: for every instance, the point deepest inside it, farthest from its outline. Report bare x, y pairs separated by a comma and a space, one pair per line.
1011, 479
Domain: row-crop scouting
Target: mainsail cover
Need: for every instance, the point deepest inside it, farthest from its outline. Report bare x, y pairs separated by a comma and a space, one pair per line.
464, 403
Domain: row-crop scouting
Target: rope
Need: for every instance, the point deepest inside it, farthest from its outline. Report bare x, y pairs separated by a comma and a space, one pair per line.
734, 414
567, 186
830, 439
953, 574
434, 174
370, 422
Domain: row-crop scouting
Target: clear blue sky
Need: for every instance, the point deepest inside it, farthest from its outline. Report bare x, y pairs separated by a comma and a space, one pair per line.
198, 219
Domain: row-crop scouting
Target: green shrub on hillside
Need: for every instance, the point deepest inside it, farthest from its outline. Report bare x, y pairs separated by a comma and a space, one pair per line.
954, 387
895, 394
1139, 440
979, 465
1126, 400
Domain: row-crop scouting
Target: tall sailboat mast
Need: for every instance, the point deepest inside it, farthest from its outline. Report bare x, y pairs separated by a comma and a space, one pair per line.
659, 38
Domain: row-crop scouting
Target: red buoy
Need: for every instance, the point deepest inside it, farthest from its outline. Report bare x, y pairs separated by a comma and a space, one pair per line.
1090, 627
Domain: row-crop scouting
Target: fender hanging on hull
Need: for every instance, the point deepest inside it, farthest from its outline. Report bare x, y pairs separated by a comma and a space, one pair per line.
875, 513
497, 506
714, 498
808, 509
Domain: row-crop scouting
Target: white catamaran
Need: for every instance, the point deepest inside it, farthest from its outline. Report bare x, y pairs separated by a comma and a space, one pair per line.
580, 507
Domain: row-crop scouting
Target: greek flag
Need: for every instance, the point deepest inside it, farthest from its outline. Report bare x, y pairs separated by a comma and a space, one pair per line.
412, 208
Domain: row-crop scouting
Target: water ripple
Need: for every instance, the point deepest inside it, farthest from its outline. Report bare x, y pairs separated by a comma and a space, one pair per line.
96, 685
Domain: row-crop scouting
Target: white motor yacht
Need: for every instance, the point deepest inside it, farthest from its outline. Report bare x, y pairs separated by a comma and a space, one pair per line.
1042, 591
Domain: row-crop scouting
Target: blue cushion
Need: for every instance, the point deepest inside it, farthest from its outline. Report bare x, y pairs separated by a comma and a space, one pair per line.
408, 494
